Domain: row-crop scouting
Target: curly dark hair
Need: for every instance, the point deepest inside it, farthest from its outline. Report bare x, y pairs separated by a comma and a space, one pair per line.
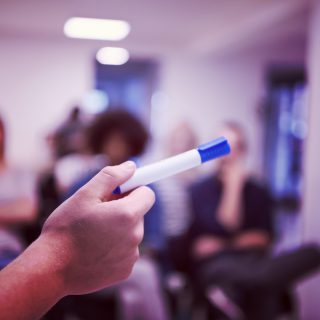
117, 121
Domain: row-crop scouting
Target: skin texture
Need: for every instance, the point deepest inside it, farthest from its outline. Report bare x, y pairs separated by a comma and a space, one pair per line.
88, 243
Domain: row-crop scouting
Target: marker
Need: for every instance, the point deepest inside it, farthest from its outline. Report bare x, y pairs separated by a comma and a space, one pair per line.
176, 164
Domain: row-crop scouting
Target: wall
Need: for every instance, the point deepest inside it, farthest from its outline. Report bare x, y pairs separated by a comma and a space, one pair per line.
39, 80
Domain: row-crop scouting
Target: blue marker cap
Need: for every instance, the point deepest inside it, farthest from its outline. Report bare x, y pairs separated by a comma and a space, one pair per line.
214, 149
117, 190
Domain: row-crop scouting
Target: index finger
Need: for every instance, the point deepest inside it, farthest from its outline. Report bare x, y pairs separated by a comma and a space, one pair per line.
137, 202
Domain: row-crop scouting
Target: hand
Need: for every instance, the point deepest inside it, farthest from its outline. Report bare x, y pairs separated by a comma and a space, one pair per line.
233, 174
233, 177
89, 242
92, 241
206, 246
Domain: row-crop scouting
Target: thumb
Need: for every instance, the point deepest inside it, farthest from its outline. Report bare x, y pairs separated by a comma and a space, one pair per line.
102, 184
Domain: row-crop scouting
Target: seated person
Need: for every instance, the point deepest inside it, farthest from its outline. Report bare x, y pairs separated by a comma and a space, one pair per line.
231, 236
174, 196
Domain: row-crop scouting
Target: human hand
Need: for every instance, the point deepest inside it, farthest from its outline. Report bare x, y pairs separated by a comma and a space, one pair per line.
206, 246
233, 175
92, 240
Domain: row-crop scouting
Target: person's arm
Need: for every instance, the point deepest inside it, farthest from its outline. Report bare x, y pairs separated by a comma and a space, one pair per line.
206, 246
252, 239
261, 225
230, 206
201, 244
86, 244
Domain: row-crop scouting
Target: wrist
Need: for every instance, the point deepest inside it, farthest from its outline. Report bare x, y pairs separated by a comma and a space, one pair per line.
44, 258
32, 283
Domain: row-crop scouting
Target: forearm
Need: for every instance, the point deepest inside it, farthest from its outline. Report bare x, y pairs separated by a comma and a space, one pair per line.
31, 284
253, 238
19, 211
88, 243
229, 210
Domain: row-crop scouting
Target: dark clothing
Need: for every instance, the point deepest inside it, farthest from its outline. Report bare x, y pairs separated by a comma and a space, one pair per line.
251, 277
69, 138
255, 281
205, 199
252, 269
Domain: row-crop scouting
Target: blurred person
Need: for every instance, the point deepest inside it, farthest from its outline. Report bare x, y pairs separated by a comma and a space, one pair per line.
18, 205
116, 136
174, 196
70, 159
231, 240
87, 243
69, 137
67, 161
73, 158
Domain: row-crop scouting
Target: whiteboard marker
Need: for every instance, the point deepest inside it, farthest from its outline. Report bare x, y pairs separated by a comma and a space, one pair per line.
176, 164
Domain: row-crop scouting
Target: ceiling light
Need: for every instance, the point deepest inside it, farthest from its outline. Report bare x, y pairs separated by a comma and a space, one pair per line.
112, 55
96, 29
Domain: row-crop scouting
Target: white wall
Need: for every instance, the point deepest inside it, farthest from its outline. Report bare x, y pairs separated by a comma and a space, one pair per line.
39, 80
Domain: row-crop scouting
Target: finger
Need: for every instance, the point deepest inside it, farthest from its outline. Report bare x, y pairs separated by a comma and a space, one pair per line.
136, 204
102, 184
138, 232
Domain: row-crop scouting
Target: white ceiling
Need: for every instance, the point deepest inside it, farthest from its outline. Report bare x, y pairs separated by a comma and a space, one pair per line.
196, 27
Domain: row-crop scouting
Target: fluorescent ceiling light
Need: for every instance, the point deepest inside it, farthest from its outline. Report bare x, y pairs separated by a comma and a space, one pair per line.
96, 29
112, 55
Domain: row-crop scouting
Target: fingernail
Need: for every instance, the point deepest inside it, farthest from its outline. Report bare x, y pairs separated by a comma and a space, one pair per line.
129, 165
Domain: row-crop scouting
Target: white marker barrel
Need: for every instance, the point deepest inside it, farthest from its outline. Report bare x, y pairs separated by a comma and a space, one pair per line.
162, 169
179, 163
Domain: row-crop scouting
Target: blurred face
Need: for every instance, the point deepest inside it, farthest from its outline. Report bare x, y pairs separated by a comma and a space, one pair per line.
181, 139
116, 148
237, 152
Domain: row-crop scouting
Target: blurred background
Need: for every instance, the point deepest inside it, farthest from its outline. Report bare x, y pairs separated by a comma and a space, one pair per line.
182, 68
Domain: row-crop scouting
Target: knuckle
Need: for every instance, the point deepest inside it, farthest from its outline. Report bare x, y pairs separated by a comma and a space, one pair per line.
127, 271
82, 192
138, 235
136, 238
130, 262
136, 255
133, 209
149, 193
109, 172
126, 216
